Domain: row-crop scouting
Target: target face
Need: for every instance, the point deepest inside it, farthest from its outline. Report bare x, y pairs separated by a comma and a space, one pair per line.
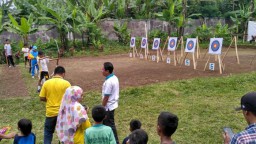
144, 43
132, 44
172, 43
156, 43
215, 46
190, 46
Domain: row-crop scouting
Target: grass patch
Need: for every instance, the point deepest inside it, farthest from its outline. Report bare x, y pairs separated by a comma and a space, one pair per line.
204, 106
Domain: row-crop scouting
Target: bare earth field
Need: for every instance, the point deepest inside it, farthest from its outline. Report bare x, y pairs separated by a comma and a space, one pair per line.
86, 71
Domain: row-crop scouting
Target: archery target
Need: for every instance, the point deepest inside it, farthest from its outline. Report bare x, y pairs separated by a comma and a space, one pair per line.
211, 66
132, 43
172, 43
215, 46
144, 43
168, 60
191, 45
187, 62
156, 44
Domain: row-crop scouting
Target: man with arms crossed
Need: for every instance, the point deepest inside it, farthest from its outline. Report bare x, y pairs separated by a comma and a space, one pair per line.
52, 92
110, 96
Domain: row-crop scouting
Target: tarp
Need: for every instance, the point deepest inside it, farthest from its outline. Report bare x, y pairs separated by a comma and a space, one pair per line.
251, 30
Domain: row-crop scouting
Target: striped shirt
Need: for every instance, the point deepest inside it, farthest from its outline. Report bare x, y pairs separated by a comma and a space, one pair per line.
248, 136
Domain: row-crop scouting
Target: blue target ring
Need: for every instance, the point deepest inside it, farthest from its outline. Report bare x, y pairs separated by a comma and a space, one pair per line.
215, 45
132, 41
172, 43
156, 44
144, 42
190, 45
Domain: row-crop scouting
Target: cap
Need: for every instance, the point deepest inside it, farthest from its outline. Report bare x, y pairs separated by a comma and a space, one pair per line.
34, 47
248, 102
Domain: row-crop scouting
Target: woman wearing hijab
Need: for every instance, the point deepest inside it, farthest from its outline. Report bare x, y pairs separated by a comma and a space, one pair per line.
72, 119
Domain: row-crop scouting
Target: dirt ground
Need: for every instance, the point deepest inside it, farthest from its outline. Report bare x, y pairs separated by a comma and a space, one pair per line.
86, 71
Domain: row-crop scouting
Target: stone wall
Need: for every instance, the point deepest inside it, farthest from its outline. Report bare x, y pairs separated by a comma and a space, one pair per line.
136, 27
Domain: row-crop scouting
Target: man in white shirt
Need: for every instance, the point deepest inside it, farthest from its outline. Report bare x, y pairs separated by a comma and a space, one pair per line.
110, 96
8, 53
25, 50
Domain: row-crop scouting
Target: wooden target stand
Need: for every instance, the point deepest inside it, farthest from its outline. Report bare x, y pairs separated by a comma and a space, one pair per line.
144, 50
133, 52
198, 51
193, 58
175, 57
234, 41
158, 55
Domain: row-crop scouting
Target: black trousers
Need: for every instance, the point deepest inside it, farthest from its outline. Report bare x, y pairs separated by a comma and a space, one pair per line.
110, 121
10, 60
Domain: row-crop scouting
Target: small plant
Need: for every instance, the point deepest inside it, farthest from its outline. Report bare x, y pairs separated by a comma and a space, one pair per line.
121, 31
204, 33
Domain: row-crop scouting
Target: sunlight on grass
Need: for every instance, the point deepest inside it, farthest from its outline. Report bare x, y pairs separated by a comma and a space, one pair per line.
204, 106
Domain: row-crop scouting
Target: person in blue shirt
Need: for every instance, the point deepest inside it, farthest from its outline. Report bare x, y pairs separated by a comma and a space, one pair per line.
24, 136
34, 65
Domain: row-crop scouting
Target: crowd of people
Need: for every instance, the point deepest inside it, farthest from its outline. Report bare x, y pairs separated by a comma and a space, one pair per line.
69, 118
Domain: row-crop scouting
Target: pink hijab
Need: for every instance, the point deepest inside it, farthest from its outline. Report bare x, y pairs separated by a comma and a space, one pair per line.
71, 115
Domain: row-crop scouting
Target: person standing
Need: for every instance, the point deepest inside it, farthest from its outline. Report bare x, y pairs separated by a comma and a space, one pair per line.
248, 136
110, 96
25, 50
34, 64
8, 53
52, 92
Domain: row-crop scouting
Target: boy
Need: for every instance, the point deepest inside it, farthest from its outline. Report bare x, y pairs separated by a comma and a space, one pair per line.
34, 64
44, 74
134, 125
25, 136
138, 136
8, 53
166, 125
25, 50
99, 133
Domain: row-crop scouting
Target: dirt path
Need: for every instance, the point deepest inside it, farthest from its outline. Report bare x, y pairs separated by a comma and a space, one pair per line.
86, 71
11, 82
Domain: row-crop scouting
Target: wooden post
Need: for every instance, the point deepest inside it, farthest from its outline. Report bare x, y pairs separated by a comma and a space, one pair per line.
207, 62
194, 63
220, 64
146, 49
237, 57
197, 48
182, 46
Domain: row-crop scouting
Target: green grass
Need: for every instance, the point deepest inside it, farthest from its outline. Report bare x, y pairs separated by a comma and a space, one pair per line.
204, 106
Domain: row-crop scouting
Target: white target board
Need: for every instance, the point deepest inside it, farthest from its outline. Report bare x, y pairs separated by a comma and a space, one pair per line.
211, 66
132, 43
172, 43
168, 60
187, 62
190, 45
215, 46
156, 44
144, 42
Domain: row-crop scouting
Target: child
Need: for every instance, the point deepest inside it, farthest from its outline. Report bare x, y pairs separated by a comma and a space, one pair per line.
33, 56
166, 125
8, 53
99, 133
139, 136
25, 50
134, 124
44, 74
25, 136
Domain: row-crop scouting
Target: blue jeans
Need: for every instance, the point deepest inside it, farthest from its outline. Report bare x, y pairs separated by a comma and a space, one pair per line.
34, 66
49, 127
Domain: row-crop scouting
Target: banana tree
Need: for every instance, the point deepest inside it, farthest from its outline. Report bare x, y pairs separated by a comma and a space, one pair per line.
23, 29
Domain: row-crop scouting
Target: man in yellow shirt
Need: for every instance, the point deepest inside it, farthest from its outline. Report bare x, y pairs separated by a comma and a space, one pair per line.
52, 93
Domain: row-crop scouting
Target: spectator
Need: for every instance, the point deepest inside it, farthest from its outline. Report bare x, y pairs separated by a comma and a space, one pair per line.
52, 92
25, 136
110, 96
99, 133
25, 50
248, 136
71, 124
166, 125
134, 124
138, 136
8, 53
